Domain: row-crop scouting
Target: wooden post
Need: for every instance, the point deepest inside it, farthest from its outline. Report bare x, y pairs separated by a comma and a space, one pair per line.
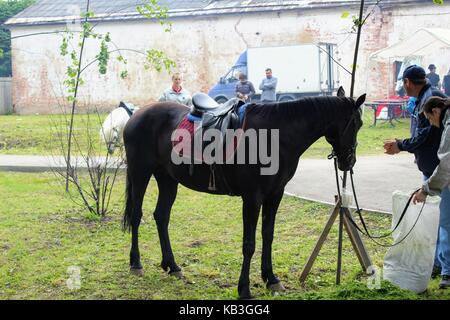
319, 244
357, 242
355, 239
339, 258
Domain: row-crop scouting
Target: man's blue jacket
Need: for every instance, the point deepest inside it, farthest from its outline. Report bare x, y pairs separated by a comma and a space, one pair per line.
425, 138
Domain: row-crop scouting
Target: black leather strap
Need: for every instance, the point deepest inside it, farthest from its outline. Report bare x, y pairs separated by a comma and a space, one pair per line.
123, 105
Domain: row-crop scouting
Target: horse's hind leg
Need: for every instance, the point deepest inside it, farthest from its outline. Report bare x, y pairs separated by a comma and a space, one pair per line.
270, 207
166, 197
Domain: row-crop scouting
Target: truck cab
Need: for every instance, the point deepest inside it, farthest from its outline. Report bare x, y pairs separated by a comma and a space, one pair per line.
225, 88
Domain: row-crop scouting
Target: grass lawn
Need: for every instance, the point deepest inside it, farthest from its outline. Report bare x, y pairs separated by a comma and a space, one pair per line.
41, 134
28, 135
42, 234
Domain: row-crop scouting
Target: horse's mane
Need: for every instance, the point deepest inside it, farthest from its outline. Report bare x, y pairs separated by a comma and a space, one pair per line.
323, 109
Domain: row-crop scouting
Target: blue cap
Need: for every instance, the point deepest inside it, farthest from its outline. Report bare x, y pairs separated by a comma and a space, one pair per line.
414, 73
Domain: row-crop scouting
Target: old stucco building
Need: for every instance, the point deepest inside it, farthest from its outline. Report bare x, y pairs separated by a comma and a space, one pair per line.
206, 39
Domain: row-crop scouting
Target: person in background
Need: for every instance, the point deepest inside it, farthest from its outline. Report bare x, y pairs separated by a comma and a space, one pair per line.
244, 88
176, 92
438, 112
268, 86
434, 78
446, 83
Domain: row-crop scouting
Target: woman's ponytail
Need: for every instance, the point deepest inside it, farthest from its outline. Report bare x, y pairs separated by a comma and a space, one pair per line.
446, 104
436, 102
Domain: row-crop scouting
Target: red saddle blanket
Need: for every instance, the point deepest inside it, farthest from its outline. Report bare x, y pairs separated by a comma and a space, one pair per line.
193, 149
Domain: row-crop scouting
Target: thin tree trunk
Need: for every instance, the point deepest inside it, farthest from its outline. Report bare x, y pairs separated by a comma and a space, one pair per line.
355, 58
75, 100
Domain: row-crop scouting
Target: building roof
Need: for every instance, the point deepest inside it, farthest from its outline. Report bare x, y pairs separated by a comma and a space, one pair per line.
59, 11
421, 43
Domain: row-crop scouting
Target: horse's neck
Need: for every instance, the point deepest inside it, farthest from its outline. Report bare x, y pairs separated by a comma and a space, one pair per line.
307, 137
307, 127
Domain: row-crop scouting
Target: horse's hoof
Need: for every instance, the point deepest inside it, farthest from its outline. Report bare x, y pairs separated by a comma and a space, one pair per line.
177, 274
245, 294
137, 272
276, 287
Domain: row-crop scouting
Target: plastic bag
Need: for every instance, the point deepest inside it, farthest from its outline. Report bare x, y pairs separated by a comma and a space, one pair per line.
409, 265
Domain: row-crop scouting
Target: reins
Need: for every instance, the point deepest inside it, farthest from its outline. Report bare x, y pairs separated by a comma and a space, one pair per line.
366, 232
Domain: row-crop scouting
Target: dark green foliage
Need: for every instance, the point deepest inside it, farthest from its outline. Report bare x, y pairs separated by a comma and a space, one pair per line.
8, 9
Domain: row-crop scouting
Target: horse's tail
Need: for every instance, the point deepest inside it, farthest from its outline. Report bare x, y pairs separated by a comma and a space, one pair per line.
127, 215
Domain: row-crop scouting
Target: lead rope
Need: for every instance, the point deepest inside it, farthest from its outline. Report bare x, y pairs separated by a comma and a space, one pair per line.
334, 157
358, 210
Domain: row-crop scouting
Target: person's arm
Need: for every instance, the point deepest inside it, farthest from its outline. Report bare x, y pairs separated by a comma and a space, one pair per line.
189, 101
252, 90
426, 130
163, 97
274, 83
238, 93
261, 86
441, 175
188, 97
412, 144
270, 84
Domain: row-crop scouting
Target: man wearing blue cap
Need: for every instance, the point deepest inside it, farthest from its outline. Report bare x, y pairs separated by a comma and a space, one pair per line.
425, 138
416, 85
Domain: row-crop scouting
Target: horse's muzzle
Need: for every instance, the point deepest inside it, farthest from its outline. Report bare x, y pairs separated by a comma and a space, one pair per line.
345, 163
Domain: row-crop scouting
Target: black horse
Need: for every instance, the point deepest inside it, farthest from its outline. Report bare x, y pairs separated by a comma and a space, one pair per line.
147, 138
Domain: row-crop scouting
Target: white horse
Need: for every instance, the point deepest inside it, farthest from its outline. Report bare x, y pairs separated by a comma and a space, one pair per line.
112, 128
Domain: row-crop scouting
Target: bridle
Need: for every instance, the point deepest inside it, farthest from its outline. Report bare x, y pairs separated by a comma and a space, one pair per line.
351, 151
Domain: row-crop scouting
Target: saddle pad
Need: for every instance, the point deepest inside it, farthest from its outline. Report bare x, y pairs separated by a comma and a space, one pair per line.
183, 147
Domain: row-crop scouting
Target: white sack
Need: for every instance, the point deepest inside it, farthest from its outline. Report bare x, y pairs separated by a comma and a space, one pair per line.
409, 264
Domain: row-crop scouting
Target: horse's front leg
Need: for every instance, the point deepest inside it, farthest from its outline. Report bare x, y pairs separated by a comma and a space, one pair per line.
250, 213
166, 197
270, 208
136, 189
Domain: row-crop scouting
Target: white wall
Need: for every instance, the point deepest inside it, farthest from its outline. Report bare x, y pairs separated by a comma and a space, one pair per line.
204, 49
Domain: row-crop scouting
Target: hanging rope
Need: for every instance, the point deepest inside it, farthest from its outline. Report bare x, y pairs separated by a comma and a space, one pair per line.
358, 210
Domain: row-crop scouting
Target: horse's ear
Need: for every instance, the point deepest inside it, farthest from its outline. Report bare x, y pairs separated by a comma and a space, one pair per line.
341, 92
360, 101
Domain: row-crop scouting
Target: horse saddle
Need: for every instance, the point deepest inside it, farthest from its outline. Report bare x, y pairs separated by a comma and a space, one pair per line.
221, 118
202, 103
214, 116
